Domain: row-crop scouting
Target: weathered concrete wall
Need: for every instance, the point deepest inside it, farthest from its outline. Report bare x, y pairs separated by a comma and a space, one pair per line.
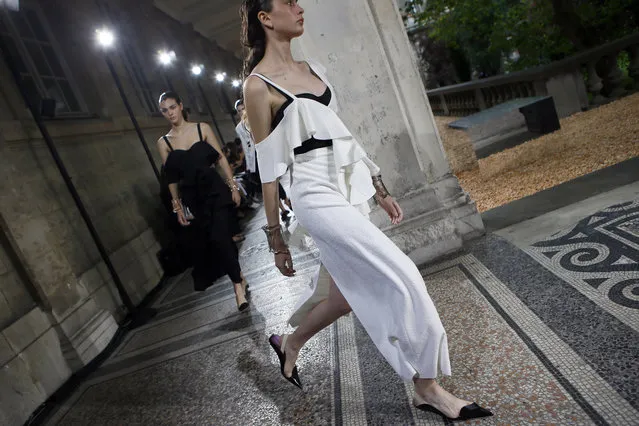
365, 48
15, 300
61, 272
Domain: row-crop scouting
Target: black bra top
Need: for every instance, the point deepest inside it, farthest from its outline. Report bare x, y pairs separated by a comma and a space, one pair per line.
324, 98
187, 165
199, 133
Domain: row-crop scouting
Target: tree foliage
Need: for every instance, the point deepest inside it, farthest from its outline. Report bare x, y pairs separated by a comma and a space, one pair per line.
498, 36
443, 66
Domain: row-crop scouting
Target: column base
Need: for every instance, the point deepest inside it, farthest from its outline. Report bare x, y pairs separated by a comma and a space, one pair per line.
90, 340
462, 208
438, 220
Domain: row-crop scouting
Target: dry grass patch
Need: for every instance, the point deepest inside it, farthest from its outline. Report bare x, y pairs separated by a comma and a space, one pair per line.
457, 146
586, 142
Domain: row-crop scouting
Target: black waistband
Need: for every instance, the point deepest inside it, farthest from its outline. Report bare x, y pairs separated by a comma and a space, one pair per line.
312, 144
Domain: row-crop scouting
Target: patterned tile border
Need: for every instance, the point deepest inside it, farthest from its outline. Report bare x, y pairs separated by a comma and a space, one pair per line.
608, 345
335, 377
599, 257
353, 407
628, 316
602, 403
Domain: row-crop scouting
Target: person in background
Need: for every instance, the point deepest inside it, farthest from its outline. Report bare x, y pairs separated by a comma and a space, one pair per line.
199, 196
244, 135
235, 156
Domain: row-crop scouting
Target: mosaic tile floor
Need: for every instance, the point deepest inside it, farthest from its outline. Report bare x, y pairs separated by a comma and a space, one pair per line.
529, 335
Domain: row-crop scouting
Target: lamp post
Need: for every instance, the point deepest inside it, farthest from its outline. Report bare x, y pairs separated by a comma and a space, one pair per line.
197, 70
106, 39
138, 316
220, 77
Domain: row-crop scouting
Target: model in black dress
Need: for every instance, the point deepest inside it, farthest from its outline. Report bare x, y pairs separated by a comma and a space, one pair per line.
200, 197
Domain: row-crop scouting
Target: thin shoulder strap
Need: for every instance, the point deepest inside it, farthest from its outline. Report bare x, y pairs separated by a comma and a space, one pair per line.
277, 87
199, 131
167, 142
316, 71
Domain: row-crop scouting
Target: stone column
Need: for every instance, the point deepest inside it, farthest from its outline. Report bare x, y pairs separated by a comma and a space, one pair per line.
34, 207
64, 300
365, 48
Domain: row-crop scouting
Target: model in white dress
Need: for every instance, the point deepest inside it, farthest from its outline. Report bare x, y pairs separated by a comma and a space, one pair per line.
331, 183
330, 187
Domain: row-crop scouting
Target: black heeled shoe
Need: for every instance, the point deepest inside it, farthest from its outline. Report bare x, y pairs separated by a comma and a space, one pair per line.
281, 355
470, 411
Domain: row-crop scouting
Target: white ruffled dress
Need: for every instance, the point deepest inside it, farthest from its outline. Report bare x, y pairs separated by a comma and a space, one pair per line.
330, 189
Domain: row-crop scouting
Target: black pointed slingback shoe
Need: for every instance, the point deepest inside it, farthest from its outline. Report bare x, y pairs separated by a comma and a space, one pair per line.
470, 411
281, 355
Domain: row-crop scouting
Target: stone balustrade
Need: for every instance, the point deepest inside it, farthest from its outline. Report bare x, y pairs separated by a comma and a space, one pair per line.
586, 79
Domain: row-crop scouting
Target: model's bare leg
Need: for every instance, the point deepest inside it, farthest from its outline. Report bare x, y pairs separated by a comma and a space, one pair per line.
331, 309
240, 295
324, 314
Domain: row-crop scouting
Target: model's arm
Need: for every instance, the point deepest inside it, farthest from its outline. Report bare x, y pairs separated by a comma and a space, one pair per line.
257, 99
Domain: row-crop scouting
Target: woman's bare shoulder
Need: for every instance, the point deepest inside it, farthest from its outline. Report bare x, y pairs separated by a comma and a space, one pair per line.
205, 127
255, 87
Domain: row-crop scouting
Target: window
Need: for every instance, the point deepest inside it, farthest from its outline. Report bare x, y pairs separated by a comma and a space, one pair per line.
134, 66
195, 97
135, 69
28, 41
195, 101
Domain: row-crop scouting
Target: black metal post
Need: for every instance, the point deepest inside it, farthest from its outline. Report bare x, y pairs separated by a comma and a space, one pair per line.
208, 106
228, 105
167, 80
118, 83
67, 179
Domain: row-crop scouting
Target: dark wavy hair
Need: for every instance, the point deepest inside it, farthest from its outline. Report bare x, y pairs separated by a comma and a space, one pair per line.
173, 95
253, 36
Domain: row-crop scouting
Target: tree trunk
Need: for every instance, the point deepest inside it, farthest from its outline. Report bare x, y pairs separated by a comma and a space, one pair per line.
569, 23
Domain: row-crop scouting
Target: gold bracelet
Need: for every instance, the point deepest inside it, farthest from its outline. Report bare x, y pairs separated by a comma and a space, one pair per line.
270, 232
232, 185
380, 189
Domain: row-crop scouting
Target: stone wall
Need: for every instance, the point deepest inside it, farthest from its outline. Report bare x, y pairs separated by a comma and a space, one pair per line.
584, 80
15, 300
384, 103
58, 305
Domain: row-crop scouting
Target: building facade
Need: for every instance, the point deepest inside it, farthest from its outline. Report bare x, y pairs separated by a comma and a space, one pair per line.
59, 307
